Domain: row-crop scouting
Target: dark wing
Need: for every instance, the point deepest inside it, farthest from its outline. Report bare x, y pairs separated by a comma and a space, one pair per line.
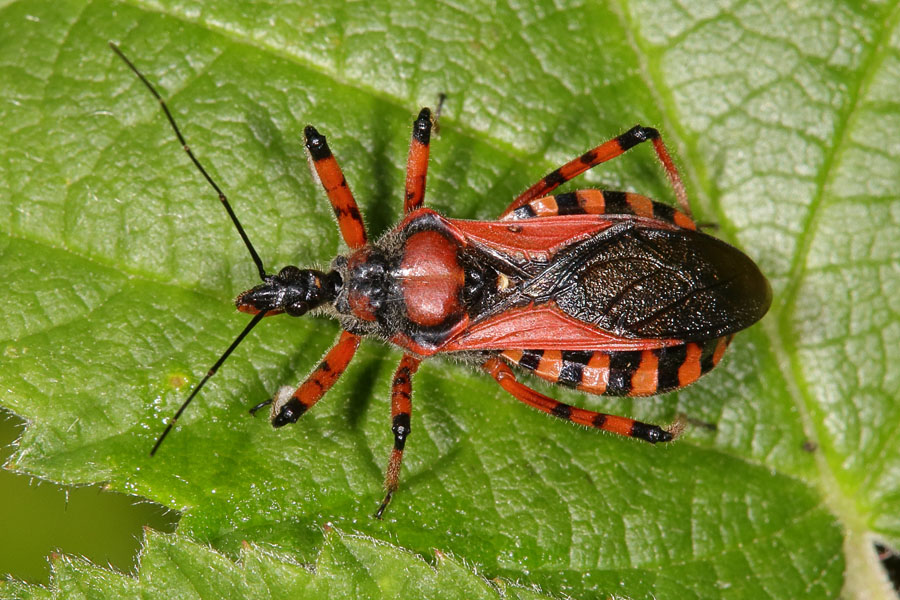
645, 282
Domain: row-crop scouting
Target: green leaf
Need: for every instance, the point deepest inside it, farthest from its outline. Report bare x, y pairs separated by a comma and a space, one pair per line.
119, 268
348, 566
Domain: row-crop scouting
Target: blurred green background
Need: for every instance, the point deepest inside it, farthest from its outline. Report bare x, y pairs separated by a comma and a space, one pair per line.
37, 518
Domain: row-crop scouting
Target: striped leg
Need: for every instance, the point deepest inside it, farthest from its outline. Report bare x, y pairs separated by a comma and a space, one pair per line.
621, 425
350, 222
600, 202
401, 407
623, 372
602, 153
417, 163
287, 409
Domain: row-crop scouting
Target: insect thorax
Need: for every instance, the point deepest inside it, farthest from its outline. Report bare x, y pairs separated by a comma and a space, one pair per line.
413, 287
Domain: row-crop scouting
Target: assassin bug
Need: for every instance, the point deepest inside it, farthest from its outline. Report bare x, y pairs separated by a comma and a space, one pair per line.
607, 292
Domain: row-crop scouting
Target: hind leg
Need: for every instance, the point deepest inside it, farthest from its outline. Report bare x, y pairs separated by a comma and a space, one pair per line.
602, 153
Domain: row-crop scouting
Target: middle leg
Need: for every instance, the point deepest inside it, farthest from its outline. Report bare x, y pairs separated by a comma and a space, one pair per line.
401, 407
417, 162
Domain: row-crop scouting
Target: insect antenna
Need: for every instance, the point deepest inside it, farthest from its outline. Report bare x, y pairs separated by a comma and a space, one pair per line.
186, 148
212, 371
253, 254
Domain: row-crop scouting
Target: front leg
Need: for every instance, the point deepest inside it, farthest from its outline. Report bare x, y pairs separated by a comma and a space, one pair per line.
287, 409
350, 222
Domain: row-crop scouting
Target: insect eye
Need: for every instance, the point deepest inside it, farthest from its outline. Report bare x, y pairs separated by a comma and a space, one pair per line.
296, 309
289, 273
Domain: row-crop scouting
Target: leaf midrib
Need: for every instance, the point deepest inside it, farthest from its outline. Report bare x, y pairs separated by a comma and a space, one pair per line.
832, 157
778, 332
782, 335
781, 342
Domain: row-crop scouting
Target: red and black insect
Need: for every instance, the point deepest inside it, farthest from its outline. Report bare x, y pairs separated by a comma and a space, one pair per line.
607, 292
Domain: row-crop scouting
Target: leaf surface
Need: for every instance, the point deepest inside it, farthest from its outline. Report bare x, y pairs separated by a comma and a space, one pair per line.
120, 268
348, 566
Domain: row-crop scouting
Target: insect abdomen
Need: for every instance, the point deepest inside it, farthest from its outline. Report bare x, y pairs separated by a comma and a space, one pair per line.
623, 373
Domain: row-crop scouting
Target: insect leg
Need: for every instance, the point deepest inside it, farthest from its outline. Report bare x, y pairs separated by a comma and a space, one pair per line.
612, 423
350, 222
417, 163
602, 153
289, 409
600, 202
401, 406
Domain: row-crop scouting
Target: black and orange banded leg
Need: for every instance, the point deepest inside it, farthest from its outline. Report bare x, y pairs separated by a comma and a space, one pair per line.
600, 202
350, 222
417, 162
612, 423
623, 372
602, 153
401, 408
289, 409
